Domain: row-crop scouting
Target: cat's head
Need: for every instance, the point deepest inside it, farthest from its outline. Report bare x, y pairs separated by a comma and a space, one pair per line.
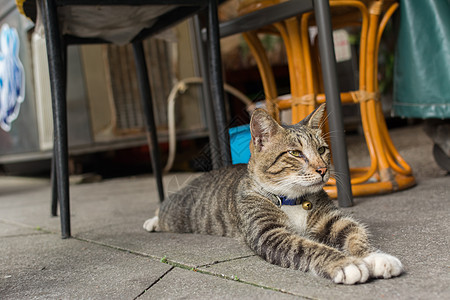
289, 160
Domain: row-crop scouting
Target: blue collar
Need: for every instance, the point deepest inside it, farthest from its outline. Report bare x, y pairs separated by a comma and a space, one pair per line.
283, 200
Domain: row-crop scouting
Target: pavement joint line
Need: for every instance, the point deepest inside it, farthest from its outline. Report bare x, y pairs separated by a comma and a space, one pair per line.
23, 235
232, 278
164, 259
36, 228
236, 279
225, 260
153, 257
153, 283
175, 264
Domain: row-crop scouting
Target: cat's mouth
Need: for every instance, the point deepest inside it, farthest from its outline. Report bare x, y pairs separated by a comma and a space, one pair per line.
318, 183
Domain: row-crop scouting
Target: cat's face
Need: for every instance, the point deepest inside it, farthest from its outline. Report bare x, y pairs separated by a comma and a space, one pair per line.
290, 160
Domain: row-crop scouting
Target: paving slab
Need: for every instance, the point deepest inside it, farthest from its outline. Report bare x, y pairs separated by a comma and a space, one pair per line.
113, 257
185, 284
112, 212
409, 286
412, 144
46, 267
27, 203
9, 230
93, 205
412, 225
13, 185
192, 250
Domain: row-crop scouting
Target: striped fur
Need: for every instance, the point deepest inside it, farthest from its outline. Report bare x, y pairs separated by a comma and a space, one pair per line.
240, 202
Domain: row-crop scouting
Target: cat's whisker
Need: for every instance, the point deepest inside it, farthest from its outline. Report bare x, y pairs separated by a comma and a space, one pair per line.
329, 134
338, 174
338, 178
323, 121
330, 131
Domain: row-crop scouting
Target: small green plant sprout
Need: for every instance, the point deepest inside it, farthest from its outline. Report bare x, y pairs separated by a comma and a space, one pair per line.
164, 259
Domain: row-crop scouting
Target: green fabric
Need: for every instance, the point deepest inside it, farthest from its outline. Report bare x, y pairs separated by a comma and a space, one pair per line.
422, 60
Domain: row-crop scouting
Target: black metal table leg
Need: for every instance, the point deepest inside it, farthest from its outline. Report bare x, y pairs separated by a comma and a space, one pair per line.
207, 102
328, 61
217, 91
57, 69
54, 207
146, 100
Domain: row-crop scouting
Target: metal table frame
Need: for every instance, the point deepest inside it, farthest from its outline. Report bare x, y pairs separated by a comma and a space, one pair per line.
215, 107
56, 50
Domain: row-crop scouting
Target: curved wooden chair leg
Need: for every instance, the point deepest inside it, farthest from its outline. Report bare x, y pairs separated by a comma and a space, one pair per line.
265, 71
311, 91
387, 171
299, 111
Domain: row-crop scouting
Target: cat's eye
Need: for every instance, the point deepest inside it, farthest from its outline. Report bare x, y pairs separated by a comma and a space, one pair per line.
295, 153
321, 150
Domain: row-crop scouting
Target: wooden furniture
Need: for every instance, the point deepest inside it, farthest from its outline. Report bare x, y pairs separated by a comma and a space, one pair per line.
281, 12
388, 171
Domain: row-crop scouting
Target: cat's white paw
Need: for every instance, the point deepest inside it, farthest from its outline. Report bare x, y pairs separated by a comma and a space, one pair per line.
356, 272
152, 224
382, 265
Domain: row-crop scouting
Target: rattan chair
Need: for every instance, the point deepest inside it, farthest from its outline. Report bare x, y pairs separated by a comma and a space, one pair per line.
281, 12
388, 171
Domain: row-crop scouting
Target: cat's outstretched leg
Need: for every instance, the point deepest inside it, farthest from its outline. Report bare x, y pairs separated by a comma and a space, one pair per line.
343, 232
270, 237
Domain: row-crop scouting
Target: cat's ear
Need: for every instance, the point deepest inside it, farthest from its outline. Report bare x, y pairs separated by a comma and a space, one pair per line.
314, 119
262, 128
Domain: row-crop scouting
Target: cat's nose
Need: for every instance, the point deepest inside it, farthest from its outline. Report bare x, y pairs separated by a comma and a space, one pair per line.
321, 171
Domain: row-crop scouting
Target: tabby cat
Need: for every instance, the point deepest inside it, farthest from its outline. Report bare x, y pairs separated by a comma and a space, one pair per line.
277, 205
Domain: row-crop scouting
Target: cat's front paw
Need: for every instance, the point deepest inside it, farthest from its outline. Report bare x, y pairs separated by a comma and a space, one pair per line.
382, 265
350, 271
152, 224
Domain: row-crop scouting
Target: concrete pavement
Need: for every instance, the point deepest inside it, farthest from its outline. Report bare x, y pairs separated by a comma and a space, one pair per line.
112, 257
